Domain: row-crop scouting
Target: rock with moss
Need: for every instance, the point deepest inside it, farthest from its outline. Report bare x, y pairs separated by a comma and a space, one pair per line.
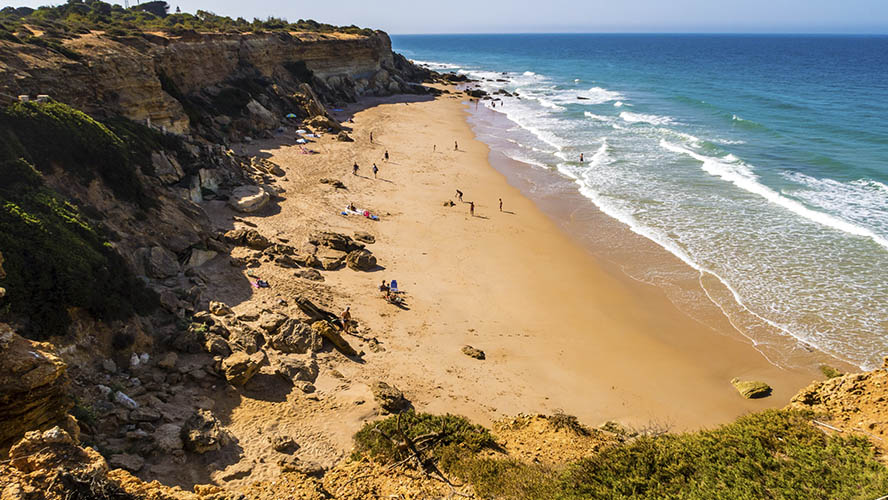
751, 389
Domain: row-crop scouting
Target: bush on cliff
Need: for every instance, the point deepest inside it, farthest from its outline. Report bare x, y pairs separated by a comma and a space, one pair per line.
772, 454
54, 259
52, 135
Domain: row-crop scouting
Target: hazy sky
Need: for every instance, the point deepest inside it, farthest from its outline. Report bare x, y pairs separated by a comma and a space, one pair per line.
517, 16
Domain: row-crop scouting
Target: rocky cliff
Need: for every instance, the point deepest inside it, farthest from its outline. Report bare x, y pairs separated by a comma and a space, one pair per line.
207, 81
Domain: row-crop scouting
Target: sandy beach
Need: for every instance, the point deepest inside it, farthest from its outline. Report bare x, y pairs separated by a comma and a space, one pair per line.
561, 329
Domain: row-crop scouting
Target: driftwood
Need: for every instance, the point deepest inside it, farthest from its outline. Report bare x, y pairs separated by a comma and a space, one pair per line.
314, 312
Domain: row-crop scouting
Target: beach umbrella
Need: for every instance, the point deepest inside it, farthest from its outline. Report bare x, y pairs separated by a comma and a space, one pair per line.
291, 115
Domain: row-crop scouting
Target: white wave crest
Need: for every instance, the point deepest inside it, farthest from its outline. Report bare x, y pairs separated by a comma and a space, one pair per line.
643, 118
731, 169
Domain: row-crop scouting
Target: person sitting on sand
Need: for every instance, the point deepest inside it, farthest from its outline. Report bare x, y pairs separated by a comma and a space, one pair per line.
351, 206
345, 317
355, 169
383, 287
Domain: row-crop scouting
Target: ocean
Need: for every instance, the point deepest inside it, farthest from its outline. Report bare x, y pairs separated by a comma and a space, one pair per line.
759, 161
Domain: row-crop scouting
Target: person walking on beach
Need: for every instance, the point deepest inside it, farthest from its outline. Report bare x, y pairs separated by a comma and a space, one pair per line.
455, 146
501, 204
459, 194
581, 157
434, 147
472, 208
386, 155
375, 170
345, 317
355, 168
371, 137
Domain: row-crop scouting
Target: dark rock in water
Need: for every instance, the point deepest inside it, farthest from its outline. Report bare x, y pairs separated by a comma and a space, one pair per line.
389, 397
473, 352
751, 389
501, 80
582, 98
476, 93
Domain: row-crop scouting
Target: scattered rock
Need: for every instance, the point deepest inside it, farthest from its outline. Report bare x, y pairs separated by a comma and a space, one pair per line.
132, 463
292, 368
168, 438
244, 339
473, 352
361, 260
240, 367
333, 182
296, 337
109, 366
750, 389
336, 241
389, 397
283, 444
202, 433
248, 199
168, 361
220, 308
331, 259
309, 274
365, 237
247, 237
269, 322
325, 330
217, 346
125, 401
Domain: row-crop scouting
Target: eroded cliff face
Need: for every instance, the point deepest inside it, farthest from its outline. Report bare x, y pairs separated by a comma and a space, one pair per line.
174, 81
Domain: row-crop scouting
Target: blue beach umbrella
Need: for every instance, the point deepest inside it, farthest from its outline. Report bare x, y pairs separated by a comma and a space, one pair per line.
291, 115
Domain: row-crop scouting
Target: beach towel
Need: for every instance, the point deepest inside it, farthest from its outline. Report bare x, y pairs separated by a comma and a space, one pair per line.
302, 131
301, 141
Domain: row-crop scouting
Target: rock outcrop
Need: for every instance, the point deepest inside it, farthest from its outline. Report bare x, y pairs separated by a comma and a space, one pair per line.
751, 389
33, 387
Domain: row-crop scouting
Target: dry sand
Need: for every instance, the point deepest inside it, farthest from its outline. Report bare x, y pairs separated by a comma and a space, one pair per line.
560, 329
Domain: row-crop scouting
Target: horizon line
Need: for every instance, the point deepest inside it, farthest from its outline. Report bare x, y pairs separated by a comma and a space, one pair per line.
723, 33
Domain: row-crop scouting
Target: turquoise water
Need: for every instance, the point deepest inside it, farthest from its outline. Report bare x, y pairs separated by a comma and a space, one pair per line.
759, 160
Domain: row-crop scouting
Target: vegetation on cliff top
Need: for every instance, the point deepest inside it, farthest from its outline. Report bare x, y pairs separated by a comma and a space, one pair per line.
81, 16
54, 257
772, 454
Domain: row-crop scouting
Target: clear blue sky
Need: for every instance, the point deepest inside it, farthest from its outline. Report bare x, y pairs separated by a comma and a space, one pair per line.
521, 16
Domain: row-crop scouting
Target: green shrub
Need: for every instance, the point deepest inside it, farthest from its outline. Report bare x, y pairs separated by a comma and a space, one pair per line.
54, 259
830, 372
53, 135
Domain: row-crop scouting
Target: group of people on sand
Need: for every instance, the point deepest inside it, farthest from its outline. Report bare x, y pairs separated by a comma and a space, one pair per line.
459, 196
356, 167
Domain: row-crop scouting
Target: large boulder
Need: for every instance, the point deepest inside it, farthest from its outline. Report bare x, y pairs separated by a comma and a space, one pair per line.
291, 368
361, 260
389, 397
160, 263
325, 330
296, 337
336, 241
323, 123
331, 259
240, 367
750, 389
248, 238
33, 387
202, 433
242, 338
248, 199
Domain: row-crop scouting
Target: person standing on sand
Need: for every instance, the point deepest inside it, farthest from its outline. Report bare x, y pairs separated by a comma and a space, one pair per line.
355, 168
375, 169
472, 208
386, 155
459, 194
501, 204
371, 137
434, 147
455, 146
345, 317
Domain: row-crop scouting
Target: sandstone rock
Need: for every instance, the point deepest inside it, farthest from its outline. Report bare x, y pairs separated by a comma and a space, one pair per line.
33, 387
325, 330
750, 389
296, 337
200, 257
389, 397
473, 352
160, 263
283, 444
324, 123
344, 137
269, 322
336, 241
248, 199
247, 237
220, 308
218, 346
361, 260
244, 339
309, 274
286, 261
365, 237
240, 367
331, 259
132, 463
203, 433
168, 438
53, 448
291, 368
